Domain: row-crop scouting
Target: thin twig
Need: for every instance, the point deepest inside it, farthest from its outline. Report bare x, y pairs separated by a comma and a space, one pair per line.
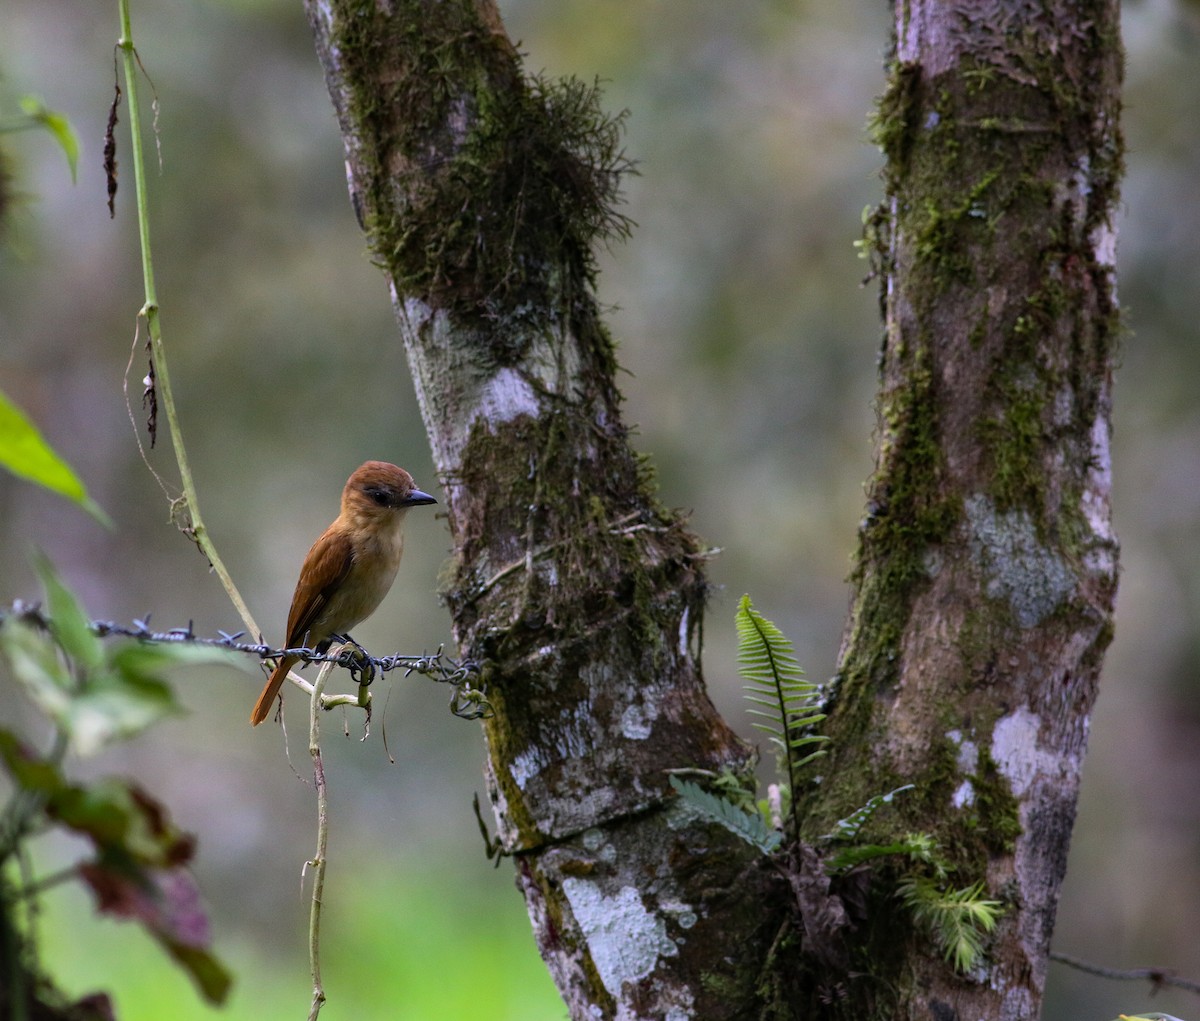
32, 888
526, 562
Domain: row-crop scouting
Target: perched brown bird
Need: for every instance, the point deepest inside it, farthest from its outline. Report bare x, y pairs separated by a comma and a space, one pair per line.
350, 568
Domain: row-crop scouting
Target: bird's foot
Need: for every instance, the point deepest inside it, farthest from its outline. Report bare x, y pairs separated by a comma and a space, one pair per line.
357, 660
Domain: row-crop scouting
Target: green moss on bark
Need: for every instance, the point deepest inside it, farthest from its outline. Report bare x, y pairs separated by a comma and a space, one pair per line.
491, 189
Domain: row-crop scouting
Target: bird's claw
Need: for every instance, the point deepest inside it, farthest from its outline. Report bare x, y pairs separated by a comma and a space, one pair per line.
357, 660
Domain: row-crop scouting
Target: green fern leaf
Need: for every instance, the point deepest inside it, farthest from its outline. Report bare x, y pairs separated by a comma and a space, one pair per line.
785, 706
750, 826
918, 847
848, 828
958, 919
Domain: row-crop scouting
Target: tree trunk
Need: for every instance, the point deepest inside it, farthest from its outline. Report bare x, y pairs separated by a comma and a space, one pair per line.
987, 565
483, 193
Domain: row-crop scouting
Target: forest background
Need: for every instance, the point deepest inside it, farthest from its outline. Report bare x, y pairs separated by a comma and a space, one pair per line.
752, 347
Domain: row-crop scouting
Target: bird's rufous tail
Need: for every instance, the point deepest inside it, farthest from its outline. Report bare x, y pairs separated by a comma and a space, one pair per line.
262, 708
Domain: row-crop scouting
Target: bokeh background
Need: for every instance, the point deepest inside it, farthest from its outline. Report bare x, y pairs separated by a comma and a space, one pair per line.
752, 351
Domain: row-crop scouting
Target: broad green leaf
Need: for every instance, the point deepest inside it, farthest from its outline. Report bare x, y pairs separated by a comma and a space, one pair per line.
58, 125
138, 661
68, 622
129, 693
37, 665
25, 453
110, 712
31, 773
99, 694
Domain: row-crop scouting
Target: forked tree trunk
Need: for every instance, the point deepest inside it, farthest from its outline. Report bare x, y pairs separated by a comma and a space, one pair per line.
987, 567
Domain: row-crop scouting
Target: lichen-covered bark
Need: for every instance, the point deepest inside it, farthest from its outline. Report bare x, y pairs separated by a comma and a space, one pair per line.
987, 562
483, 193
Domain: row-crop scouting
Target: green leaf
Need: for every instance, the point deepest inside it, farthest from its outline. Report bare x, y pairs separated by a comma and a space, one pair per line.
958, 919
68, 622
111, 711
101, 694
776, 684
29, 772
848, 828
750, 826
129, 694
58, 125
25, 453
138, 661
919, 847
37, 665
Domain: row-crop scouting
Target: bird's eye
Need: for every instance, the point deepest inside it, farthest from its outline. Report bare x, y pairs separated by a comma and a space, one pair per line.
379, 496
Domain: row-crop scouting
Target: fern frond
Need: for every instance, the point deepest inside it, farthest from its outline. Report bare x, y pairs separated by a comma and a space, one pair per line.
847, 828
775, 682
958, 919
750, 826
918, 847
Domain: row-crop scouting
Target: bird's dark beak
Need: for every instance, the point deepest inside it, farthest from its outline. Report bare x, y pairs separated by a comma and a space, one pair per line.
415, 498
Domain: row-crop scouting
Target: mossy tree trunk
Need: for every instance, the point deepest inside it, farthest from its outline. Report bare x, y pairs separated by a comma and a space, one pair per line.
483, 193
987, 567
987, 563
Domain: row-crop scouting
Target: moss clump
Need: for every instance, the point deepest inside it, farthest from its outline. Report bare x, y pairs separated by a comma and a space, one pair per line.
891, 126
997, 817
485, 190
910, 511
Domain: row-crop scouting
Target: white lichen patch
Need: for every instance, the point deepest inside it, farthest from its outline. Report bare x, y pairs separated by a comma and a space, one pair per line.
572, 740
968, 752
624, 940
1033, 579
964, 795
1097, 494
1016, 752
507, 395
684, 631
967, 761
637, 721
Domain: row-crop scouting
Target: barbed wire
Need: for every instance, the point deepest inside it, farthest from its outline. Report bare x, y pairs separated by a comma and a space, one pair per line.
467, 702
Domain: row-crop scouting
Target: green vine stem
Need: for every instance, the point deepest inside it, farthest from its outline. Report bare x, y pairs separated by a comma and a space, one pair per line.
149, 311
317, 862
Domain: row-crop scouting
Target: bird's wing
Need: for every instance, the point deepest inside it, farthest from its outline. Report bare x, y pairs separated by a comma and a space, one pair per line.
325, 568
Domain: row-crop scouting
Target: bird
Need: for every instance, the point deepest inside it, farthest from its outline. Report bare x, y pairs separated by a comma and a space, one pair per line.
349, 569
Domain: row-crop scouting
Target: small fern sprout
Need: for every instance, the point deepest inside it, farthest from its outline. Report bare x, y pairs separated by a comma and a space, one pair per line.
787, 707
957, 919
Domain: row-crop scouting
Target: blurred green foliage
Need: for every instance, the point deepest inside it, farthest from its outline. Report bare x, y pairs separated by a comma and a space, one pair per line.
738, 310
398, 945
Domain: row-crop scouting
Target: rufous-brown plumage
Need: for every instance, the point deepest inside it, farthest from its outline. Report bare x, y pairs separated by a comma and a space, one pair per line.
349, 569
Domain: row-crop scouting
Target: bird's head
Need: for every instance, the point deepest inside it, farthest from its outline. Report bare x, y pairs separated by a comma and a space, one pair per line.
376, 489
